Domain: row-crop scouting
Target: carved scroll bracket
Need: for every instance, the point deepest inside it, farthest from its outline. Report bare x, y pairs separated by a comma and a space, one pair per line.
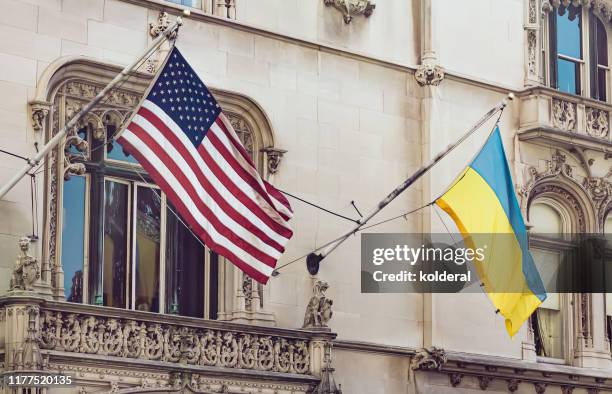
38, 112
351, 8
273, 158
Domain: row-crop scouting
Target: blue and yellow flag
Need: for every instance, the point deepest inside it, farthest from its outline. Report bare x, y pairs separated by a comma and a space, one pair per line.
482, 201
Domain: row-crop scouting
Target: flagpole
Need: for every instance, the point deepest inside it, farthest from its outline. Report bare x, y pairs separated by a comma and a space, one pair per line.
313, 259
53, 142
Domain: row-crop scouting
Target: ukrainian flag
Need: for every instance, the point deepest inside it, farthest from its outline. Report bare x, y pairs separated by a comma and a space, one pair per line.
483, 204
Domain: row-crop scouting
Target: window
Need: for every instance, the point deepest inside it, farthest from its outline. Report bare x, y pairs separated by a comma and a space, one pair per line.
140, 254
547, 321
567, 46
565, 27
599, 59
188, 3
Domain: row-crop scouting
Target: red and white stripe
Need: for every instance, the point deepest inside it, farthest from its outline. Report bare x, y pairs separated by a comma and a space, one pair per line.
215, 188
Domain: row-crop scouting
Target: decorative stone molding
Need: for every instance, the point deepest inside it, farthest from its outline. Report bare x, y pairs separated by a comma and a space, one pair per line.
539, 387
26, 271
429, 74
484, 381
273, 158
455, 379
28, 356
351, 8
318, 312
513, 385
597, 122
429, 359
160, 26
146, 340
328, 383
563, 114
602, 8
39, 111
532, 51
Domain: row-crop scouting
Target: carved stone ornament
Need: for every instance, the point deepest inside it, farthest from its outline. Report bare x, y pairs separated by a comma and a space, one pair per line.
539, 387
431, 359
513, 385
563, 114
429, 74
484, 381
160, 26
27, 270
273, 158
602, 8
455, 378
351, 8
39, 111
565, 389
318, 311
532, 51
108, 336
328, 383
597, 122
27, 356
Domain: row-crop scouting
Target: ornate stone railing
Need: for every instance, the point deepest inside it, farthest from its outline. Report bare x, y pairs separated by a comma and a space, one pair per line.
64, 329
548, 109
168, 341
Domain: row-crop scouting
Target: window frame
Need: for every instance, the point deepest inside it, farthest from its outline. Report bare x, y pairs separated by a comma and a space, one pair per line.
586, 66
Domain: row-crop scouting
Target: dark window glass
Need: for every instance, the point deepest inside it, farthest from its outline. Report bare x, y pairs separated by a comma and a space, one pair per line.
599, 59
115, 245
184, 269
602, 43
73, 238
147, 248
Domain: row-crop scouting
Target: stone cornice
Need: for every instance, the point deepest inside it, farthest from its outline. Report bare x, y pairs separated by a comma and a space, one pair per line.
199, 15
372, 347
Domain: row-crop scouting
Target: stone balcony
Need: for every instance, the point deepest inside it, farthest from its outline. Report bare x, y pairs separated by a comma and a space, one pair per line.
553, 117
164, 351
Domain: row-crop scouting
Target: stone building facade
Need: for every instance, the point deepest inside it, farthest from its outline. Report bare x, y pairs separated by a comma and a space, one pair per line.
337, 101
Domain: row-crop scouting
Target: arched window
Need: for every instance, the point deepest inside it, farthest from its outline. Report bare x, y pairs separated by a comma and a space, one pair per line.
599, 58
112, 237
565, 36
547, 322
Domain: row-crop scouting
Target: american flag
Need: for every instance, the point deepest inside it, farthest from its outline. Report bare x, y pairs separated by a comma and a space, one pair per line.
183, 140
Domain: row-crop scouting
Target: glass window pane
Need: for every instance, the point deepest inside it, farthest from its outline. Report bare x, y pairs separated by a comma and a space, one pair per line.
189, 3
115, 245
73, 237
602, 85
114, 151
550, 332
569, 25
568, 73
146, 254
184, 270
602, 43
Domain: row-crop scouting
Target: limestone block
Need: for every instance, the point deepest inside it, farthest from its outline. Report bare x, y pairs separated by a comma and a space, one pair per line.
75, 48
116, 38
63, 25
28, 44
17, 69
251, 70
236, 42
339, 114
88, 9
124, 14
13, 97
21, 15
